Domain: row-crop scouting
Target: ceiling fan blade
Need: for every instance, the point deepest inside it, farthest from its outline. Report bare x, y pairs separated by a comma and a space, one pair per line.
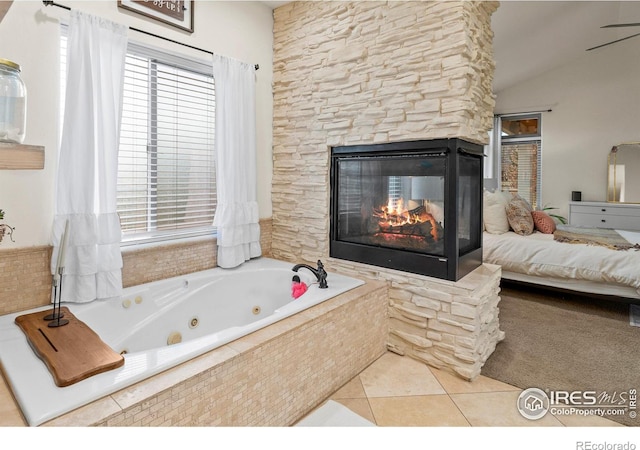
613, 42
621, 25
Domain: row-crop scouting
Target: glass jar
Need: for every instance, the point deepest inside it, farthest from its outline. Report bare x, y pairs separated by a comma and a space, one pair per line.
13, 103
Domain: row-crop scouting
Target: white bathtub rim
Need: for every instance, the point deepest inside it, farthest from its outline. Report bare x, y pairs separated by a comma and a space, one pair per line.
41, 400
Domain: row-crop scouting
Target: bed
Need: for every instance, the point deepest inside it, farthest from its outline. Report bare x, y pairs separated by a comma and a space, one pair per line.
526, 243
539, 259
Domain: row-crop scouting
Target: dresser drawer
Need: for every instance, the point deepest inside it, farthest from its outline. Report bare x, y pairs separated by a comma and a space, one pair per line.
605, 221
608, 210
605, 215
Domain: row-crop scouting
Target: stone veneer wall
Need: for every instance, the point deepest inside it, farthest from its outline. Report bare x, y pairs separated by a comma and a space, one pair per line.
448, 325
25, 274
349, 73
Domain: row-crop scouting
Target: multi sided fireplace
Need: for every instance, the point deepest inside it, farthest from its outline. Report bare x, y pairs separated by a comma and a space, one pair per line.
412, 206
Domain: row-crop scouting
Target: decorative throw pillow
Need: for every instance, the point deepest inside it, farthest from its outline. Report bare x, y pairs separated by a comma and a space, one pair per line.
494, 212
543, 222
519, 216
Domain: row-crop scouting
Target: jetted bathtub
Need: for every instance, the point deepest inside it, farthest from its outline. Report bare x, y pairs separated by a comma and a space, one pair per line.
159, 325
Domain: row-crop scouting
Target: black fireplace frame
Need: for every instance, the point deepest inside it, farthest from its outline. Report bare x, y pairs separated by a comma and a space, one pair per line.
454, 265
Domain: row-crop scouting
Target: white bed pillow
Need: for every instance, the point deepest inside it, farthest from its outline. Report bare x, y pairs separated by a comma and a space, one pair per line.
494, 212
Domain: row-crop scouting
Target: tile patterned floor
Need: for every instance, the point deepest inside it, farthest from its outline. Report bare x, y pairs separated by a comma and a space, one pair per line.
399, 391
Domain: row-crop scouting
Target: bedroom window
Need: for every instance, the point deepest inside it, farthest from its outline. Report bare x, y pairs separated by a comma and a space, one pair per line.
520, 144
166, 172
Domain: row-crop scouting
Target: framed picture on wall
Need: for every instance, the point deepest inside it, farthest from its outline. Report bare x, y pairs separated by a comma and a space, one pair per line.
178, 13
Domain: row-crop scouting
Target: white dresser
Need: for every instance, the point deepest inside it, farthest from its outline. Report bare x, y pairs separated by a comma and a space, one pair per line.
620, 216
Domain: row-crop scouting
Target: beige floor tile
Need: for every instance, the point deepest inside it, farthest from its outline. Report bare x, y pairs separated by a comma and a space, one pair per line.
417, 411
497, 409
359, 406
454, 384
353, 389
394, 375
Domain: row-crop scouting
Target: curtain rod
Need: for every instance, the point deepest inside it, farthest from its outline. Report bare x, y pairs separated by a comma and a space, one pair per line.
52, 3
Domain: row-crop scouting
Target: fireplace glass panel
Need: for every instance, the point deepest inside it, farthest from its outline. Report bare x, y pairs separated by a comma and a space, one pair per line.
469, 200
394, 202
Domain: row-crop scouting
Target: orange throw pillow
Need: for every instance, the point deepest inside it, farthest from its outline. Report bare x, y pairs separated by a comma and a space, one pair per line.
543, 222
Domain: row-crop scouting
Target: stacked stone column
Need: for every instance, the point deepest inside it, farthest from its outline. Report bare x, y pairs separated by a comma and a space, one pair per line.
367, 72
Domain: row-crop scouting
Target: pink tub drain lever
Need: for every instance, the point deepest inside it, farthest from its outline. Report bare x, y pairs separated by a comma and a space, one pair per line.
297, 287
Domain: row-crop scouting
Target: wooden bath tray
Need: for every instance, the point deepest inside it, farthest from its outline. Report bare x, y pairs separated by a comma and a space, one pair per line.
72, 352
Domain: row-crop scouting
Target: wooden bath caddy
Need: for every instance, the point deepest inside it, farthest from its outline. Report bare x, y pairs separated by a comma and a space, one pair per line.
72, 352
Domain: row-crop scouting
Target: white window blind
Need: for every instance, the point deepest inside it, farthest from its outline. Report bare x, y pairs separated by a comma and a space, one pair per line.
166, 172
520, 168
520, 143
166, 161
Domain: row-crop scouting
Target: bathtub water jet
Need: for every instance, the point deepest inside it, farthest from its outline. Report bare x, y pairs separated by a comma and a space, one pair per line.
226, 304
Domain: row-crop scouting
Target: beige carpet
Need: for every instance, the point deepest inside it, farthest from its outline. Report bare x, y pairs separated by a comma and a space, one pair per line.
566, 342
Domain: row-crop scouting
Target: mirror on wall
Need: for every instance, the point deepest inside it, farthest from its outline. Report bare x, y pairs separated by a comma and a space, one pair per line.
623, 183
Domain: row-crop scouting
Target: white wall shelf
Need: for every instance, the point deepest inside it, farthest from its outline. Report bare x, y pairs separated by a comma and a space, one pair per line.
21, 157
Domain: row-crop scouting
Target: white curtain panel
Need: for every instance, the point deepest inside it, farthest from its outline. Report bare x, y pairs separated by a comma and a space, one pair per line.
88, 161
236, 218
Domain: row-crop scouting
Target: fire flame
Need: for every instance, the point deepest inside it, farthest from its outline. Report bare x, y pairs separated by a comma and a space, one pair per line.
398, 215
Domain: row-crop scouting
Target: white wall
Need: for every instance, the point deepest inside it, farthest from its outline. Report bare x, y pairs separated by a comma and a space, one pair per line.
29, 35
596, 104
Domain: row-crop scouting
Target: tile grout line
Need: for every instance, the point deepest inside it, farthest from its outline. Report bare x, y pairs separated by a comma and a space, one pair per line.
366, 396
449, 396
458, 408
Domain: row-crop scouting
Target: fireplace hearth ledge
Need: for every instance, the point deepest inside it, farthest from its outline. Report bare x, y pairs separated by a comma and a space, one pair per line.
451, 325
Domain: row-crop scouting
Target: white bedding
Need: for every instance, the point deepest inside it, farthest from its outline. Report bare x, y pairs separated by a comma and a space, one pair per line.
538, 255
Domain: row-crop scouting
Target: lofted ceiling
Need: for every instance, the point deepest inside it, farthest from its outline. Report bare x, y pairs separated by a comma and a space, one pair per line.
532, 37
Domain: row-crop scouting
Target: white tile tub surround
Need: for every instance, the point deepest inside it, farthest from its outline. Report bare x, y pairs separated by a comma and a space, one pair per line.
348, 73
157, 309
